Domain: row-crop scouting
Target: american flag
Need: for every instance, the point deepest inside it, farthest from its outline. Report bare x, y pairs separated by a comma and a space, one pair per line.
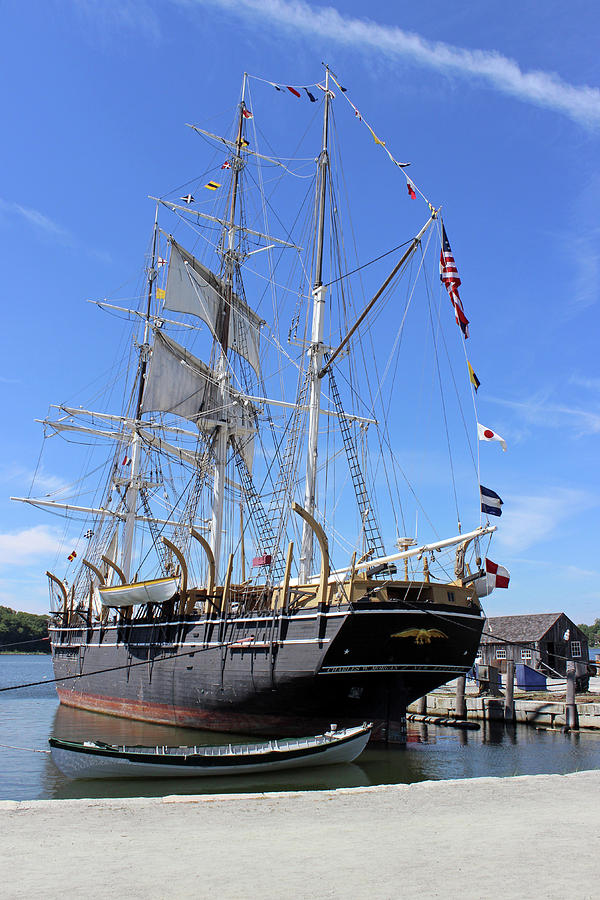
449, 276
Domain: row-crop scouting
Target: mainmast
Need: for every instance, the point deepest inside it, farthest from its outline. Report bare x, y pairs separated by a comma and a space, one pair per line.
222, 435
133, 488
315, 353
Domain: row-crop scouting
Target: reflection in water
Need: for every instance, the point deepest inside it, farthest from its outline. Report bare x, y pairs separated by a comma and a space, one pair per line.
28, 718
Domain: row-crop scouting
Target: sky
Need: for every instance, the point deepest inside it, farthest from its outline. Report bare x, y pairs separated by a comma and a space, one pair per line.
496, 106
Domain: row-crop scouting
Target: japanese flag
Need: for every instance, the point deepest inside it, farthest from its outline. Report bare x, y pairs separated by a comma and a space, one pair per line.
486, 434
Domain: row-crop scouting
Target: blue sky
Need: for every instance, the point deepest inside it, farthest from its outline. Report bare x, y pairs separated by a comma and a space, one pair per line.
497, 108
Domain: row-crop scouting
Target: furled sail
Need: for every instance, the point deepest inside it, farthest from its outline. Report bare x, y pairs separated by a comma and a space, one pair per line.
195, 290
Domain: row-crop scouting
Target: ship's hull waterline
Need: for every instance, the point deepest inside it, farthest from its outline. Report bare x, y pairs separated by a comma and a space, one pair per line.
269, 675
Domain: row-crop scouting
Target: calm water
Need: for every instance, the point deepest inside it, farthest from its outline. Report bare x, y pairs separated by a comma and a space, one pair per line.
28, 717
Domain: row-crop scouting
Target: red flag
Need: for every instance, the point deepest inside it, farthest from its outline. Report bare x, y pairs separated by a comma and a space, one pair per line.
71, 556
411, 191
293, 91
264, 560
226, 164
248, 115
449, 276
499, 574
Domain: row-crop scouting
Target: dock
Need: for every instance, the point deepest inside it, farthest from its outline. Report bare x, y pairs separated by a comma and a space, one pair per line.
547, 709
530, 834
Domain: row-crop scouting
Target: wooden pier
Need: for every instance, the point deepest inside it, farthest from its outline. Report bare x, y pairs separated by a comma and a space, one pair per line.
550, 711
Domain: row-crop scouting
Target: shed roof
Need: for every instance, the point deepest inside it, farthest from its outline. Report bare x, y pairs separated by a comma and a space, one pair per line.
518, 628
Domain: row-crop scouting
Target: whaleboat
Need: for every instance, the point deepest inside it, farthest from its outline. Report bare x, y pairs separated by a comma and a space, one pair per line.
95, 759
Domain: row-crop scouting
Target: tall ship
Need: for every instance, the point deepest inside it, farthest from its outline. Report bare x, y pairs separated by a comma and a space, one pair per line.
241, 554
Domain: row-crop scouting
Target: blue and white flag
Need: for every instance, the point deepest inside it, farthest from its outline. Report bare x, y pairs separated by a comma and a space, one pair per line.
490, 502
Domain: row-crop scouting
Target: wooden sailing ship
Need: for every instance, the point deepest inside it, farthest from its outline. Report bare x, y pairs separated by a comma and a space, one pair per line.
177, 631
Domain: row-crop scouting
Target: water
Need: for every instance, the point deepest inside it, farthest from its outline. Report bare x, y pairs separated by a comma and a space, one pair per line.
29, 716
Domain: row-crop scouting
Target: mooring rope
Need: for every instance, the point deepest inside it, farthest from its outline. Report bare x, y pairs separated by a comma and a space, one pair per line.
29, 749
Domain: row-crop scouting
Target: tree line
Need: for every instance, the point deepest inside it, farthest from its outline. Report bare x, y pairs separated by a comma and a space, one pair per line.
17, 629
592, 633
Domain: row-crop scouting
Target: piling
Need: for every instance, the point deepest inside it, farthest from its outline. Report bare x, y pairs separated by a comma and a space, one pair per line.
461, 706
509, 706
571, 717
422, 705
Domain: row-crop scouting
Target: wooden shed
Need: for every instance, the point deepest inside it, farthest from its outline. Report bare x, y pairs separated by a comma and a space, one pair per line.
545, 642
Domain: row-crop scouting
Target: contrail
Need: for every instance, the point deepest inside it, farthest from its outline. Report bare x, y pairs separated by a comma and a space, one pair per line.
580, 102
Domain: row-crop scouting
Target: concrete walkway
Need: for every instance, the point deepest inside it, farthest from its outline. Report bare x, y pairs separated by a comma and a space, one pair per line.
532, 836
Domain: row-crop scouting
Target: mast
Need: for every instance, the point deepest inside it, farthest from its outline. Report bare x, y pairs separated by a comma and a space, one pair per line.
133, 488
315, 356
220, 445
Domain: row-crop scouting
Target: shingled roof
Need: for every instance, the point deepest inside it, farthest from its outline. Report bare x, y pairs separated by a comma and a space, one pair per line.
518, 629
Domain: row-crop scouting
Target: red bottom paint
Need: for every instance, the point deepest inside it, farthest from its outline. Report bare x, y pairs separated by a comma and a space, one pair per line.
189, 717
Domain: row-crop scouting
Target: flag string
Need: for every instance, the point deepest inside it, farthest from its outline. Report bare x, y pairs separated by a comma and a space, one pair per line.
402, 166
283, 85
295, 90
413, 189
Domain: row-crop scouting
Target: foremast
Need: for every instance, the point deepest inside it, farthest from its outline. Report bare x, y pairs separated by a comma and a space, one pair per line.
315, 353
133, 488
222, 435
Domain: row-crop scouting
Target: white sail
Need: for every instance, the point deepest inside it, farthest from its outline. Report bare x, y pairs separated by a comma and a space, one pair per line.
195, 290
180, 383
111, 553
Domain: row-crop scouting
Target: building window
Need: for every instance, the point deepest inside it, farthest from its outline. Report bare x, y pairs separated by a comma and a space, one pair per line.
451, 596
575, 648
526, 653
500, 652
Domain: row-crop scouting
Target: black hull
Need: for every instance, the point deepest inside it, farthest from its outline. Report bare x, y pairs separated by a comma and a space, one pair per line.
286, 675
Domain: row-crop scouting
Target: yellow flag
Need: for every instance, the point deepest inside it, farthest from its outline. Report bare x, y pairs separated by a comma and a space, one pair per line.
160, 293
375, 138
212, 185
473, 377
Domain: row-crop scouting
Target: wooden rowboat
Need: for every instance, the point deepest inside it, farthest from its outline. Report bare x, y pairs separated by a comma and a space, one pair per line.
158, 590
94, 759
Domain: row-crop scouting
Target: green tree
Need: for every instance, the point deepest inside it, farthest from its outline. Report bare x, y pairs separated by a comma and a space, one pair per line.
23, 631
592, 633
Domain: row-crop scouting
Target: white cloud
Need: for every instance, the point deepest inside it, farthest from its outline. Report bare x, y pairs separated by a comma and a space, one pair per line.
37, 219
28, 592
538, 411
583, 250
44, 481
592, 384
45, 226
528, 520
578, 572
133, 15
29, 544
325, 23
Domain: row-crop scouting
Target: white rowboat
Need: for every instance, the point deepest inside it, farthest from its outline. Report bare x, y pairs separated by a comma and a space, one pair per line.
94, 759
158, 590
